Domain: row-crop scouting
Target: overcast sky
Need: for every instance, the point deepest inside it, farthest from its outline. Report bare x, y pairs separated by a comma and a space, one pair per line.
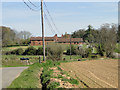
68, 16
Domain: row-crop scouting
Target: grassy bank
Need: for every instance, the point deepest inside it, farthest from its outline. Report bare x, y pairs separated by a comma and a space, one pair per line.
29, 78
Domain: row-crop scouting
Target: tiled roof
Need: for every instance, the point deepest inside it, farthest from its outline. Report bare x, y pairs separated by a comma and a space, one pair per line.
40, 38
59, 39
68, 39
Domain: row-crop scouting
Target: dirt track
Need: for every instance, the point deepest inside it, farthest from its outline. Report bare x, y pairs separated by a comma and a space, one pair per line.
94, 73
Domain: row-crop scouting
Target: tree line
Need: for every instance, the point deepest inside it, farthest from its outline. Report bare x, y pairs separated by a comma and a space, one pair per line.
12, 37
105, 38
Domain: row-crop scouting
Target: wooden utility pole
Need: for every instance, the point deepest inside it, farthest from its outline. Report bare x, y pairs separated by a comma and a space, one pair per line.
70, 46
43, 38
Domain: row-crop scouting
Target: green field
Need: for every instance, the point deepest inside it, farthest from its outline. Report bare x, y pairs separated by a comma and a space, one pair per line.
14, 60
16, 47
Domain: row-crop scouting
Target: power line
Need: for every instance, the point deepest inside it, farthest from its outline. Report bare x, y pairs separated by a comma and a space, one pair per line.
51, 17
51, 28
34, 4
30, 7
48, 23
47, 20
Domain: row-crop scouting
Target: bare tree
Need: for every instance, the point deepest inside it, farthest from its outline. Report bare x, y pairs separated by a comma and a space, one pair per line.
108, 38
24, 35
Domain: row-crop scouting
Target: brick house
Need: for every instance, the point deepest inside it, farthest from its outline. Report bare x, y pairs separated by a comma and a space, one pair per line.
35, 41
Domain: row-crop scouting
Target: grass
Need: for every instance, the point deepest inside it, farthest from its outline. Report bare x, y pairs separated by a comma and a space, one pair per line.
29, 78
53, 85
48, 73
72, 81
16, 47
14, 60
67, 57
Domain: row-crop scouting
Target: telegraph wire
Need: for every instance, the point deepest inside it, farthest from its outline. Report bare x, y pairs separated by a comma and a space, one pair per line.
51, 17
30, 7
51, 28
34, 4
47, 20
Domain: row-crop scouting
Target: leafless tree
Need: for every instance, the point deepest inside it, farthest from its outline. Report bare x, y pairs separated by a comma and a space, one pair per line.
107, 38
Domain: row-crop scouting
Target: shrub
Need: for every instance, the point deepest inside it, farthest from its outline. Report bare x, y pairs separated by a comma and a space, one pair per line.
19, 51
73, 50
30, 51
13, 52
84, 52
40, 51
55, 51
6, 52
100, 50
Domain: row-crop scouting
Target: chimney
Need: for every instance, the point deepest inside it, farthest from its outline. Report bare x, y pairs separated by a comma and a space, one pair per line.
62, 35
55, 35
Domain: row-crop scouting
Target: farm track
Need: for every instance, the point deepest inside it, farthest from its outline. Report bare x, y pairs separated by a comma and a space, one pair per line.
94, 73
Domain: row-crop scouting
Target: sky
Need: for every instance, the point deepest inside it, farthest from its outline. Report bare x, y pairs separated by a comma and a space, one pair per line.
67, 16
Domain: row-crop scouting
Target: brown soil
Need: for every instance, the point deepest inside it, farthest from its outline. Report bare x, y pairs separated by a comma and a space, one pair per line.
94, 73
63, 84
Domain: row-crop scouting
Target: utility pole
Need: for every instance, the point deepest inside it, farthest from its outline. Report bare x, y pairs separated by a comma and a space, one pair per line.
70, 46
43, 30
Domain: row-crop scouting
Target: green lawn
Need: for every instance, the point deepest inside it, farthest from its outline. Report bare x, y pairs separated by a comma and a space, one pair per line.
73, 57
16, 47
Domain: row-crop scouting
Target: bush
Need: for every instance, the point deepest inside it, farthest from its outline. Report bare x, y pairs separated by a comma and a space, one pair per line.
55, 51
30, 51
100, 50
13, 52
40, 51
73, 50
19, 51
84, 52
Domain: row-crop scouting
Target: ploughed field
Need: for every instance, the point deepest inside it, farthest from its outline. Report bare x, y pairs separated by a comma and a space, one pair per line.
94, 73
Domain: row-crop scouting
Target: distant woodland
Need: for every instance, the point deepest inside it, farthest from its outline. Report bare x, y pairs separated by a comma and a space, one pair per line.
12, 37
